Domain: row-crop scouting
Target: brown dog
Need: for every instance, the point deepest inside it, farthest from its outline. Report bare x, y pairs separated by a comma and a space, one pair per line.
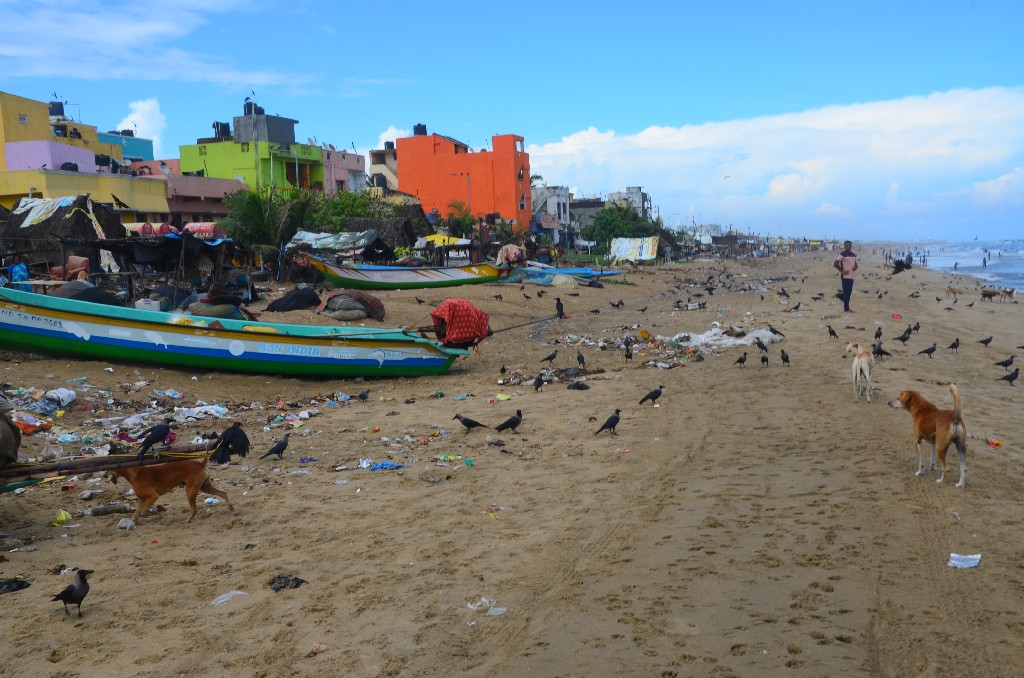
940, 427
863, 363
150, 482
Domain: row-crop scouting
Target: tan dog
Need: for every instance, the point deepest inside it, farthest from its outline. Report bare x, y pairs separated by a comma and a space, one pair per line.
954, 292
150, 482
940, 427
863, 363
1007, 295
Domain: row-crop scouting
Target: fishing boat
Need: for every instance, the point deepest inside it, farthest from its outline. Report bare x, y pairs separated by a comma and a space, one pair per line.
405, 277
38, 323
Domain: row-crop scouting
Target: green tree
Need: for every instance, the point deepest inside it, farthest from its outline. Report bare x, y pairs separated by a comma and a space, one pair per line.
460, 223
332, 211
254, 217
617, 221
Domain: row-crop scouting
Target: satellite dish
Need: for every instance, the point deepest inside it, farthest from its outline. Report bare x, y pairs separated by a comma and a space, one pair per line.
164, 168
239, 178
310, 141
331, 146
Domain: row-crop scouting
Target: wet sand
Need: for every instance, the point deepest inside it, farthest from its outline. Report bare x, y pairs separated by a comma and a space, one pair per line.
757, 523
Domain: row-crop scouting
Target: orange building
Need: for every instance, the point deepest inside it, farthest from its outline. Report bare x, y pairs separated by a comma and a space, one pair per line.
439, 170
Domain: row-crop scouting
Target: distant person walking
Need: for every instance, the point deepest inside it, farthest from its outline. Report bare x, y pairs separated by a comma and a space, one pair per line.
846, 264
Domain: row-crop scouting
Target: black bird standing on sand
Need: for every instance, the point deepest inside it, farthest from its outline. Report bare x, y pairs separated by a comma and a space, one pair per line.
610, 424
652, 396
503, 370
742, 360
75, 591
928, 351
154, 435
917, 327
538, 382
364, 396
1005, 363
559, 309
419, 301
832, 333
764, 361
878, 351
511, 423
785, 358
878, 333
279, 448
580, 360
905, 337
985, 341
760, 345
232, 441
1011, 377
550, 358
470, 424
955, 346
775, 331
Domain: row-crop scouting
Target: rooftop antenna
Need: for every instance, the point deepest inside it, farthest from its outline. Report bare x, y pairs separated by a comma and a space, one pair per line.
354, 147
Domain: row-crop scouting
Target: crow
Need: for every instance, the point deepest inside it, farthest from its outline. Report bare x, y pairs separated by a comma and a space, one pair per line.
642, 310
785, 357
538, 382
580, 360
595, 311
470, 424
75, 592
629, 352
610, 424
497, 297
878, 351
917, 327
928, 351
775, 331
832, 333
364, 396
955, 346
550, 358
527, 296
1011, 377
760, 345
559, 309
904, 338
419, 301
619, 303
503, 370
232, 441
153, 435
511, 423
878, 333
540, 294
764, 361
1005, 363
742, 360
278, 448
985, 341
652, 396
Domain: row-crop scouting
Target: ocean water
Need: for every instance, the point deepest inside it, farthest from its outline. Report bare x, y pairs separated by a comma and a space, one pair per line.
1003, 260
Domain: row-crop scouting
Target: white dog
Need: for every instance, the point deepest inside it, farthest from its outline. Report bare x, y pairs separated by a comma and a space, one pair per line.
863, 362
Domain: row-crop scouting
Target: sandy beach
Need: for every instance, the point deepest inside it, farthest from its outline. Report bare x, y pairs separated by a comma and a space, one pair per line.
756, 523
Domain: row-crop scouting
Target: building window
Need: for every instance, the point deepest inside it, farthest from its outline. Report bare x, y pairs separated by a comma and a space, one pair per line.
522, 202
245, 147
520, 174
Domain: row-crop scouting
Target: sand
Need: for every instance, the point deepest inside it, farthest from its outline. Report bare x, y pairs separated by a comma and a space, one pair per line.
757, 523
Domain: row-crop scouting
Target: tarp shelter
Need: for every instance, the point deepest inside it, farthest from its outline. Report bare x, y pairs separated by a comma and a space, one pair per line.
205, 230
47, 230
368, 245
145, 228
447, 240
634, 249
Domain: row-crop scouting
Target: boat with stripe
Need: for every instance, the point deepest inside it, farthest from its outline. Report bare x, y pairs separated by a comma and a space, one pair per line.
36, 323
405, 277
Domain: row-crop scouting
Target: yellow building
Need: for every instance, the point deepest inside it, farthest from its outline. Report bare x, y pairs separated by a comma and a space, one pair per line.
45, 154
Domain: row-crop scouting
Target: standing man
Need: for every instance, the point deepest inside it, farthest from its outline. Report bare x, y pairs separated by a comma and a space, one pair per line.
846, 264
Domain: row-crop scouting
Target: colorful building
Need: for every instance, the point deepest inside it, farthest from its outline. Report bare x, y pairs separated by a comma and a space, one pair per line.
440, 170
45, 154
262, 152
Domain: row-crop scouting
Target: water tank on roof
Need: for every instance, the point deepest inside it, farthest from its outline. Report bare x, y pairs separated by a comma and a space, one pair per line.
259, 110
69, 167
250, 108
419, 130
221, 129
127, 133
102, 160
389, 145
57, 108
380, 181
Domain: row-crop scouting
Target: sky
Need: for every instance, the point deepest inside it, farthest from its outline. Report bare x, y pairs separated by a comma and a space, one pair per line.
870, 120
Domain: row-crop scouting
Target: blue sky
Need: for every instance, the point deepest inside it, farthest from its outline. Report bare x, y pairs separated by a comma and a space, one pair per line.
900, 120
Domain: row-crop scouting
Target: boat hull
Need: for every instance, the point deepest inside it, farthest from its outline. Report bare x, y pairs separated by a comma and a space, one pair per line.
406, 278
39, 324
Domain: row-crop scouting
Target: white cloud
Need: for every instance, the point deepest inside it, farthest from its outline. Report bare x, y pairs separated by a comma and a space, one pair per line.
147, 121
90, 39
390, 134
931, 157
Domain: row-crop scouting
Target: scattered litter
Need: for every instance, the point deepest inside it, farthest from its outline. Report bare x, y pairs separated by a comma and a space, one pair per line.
962, 561
11, 585
488, 603
220, 600
386, 466
212, 500
286, 581
125, 524
316, 649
